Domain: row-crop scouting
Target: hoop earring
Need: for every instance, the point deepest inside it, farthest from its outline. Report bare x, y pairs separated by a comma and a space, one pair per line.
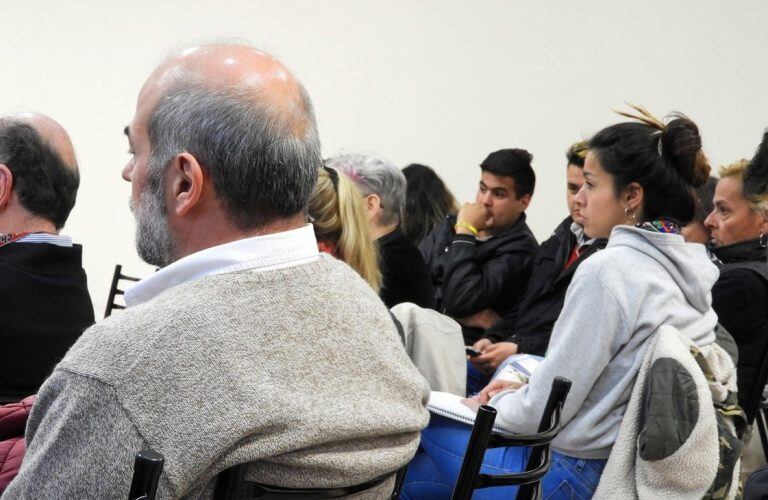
628, 216
763, 240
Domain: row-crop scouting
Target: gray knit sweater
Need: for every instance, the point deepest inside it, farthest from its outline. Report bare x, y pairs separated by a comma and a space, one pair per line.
299, 370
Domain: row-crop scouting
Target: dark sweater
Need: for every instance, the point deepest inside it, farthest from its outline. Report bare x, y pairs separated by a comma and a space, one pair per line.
405, 275
529, 324
45, 307
740, 299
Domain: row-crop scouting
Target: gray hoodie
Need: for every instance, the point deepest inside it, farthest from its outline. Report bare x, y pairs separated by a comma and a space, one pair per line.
617, 300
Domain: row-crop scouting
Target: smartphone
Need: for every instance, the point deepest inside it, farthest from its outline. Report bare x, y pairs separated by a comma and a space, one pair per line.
471, 352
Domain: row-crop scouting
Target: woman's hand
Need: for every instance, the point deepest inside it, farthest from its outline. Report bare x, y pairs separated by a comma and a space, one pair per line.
496, 387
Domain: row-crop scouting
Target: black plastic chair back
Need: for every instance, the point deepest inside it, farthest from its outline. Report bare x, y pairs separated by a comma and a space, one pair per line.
757, 405
146, 475
114, 291
231, 485
538, 464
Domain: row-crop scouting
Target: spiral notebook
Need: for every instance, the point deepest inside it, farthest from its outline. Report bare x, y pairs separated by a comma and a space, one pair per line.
517, 368
450, 406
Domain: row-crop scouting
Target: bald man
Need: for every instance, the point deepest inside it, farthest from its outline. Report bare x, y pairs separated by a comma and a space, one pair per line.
43, 292
247, 346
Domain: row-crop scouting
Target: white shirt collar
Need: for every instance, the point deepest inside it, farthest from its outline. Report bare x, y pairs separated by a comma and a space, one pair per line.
272, 251
53, 239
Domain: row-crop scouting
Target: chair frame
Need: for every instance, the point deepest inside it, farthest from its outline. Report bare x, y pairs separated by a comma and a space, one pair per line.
231, 485
146, 475
539, 461
114, 291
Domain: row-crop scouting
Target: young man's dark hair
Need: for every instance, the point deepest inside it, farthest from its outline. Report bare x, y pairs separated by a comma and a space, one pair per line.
515, 163
45, 184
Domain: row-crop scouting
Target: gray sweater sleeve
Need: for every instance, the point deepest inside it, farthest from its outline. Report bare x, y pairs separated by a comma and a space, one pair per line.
584, 340
80, 442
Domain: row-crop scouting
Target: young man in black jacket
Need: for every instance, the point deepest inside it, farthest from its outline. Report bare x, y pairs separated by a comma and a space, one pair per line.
480, 260
43, 289
527, 327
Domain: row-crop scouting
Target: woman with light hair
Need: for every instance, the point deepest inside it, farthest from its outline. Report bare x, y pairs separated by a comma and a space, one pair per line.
739, 229
338, 216
405, 275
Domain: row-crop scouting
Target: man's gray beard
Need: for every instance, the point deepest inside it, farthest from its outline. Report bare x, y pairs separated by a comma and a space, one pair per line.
153, 239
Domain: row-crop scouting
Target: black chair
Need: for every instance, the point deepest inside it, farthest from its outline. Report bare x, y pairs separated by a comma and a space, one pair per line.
146, 475
539, 462
114, 291
231, 485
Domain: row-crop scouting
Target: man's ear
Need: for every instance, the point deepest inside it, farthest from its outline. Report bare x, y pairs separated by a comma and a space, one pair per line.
633, 196
525, 200
186, 183
6, 185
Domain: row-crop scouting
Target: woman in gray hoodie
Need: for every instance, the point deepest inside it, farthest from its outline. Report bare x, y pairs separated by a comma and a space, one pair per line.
638, 190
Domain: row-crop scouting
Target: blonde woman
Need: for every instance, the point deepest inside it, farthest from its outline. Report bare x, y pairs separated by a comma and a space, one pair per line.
338, 216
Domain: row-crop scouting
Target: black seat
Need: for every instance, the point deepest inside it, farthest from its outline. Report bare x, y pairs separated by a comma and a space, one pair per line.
146, 475
114, 291
539, 462
231, 485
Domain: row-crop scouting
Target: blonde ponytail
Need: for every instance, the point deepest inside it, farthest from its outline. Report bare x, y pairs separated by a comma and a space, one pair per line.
339, 219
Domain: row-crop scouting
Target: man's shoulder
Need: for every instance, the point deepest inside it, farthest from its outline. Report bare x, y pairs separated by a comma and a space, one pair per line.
516, 238
561, 234
185, 321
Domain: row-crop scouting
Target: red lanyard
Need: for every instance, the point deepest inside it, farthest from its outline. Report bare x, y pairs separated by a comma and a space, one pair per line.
8, 238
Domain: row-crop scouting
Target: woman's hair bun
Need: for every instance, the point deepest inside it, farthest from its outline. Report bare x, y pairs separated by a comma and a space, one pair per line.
681, 147
756, 175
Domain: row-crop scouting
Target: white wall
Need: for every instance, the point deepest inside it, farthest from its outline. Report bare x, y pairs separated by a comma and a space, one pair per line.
438, 82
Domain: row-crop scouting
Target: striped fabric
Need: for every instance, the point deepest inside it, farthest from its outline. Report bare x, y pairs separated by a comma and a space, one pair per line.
53, 239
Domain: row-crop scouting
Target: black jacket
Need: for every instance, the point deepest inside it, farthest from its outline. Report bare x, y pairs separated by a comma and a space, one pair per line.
740, 299
529, 324
45, 306
470, 275
405, 275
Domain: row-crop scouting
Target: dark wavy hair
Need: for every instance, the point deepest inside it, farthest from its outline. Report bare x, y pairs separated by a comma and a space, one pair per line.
45, 184
515, 163
667, 162
427, 201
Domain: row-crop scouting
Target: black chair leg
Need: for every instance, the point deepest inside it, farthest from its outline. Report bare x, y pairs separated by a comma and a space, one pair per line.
399, 480
473, 458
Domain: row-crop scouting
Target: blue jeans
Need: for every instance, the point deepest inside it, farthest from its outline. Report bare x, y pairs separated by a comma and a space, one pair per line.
433, 471
476, 380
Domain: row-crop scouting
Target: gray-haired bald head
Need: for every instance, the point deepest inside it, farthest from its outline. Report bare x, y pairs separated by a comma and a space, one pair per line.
246, 119
40, 156
375, 175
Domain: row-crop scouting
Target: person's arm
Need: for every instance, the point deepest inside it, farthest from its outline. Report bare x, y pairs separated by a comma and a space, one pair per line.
470, 284
81, 443
588, 334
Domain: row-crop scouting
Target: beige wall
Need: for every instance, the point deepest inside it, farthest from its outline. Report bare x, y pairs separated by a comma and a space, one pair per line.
438, 82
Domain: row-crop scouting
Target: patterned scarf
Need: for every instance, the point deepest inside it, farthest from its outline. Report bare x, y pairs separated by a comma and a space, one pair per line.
660, 225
